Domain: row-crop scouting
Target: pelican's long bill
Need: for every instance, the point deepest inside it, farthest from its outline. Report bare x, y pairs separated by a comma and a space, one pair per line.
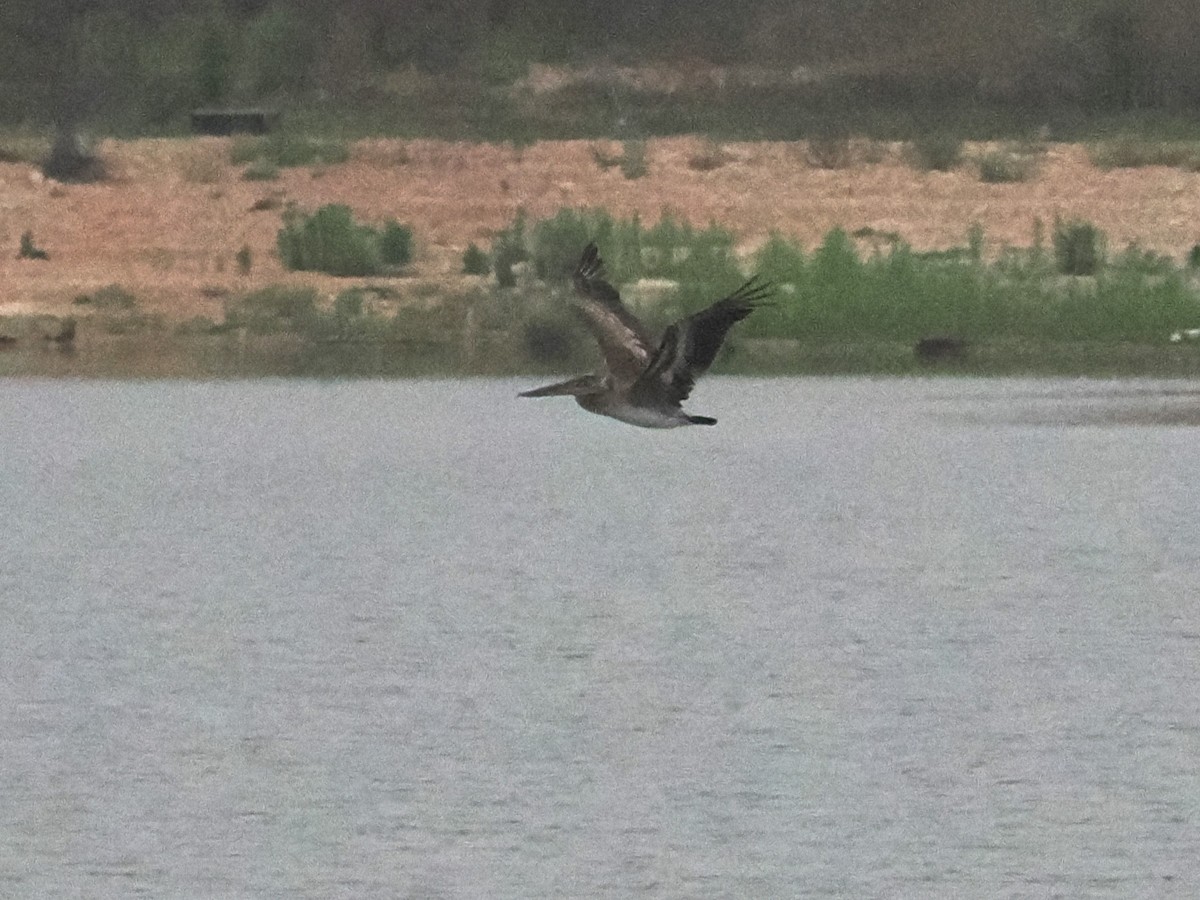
644, 383
585, 384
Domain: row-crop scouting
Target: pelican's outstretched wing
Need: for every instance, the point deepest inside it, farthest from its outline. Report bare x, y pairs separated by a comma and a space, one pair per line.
623, 340
689, 346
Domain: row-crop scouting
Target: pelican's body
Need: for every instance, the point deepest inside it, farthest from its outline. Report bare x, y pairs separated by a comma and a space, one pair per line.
644, 383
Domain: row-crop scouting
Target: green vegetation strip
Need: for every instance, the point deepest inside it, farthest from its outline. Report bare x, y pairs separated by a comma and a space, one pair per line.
859, 303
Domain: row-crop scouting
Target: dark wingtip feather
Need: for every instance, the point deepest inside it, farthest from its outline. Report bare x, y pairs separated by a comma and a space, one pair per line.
755, 292
590, 262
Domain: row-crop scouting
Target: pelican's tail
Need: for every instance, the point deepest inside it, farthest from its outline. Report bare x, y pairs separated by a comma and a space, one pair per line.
701, 420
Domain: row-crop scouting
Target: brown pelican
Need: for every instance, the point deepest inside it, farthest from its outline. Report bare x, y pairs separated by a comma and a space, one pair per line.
644, 383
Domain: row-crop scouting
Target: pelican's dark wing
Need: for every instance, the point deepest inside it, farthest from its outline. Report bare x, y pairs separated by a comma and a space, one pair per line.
623, 340
689, 346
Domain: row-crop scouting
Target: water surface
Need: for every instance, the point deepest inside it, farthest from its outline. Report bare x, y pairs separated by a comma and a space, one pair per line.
865, 638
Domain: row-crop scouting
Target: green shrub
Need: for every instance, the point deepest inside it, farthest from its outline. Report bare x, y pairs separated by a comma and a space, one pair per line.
679, 251
29, 250
938, 151
1145, 263
780, 261
555, 243
331, 241
1193, 257
349, 321
244, 259
328, 241
395, 244
508, 249
1078, 247
633, 160
475, 261
670, 249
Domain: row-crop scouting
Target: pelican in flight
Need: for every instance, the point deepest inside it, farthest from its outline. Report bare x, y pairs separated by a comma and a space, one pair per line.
643, 383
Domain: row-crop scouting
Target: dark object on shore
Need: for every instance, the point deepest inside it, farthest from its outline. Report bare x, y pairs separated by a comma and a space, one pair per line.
29, 250
65, 336
224, 122
7, 341
940, 349
71, 160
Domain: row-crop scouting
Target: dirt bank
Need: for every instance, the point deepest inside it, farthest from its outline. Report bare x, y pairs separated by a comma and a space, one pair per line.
168, 224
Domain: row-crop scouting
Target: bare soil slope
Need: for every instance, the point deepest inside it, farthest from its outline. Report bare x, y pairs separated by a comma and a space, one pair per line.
167, 225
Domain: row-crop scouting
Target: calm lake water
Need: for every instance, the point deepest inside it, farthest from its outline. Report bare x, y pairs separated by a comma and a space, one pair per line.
865, 638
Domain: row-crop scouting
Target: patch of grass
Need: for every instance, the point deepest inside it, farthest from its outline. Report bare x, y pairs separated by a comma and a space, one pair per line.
937, 151
274, 308
830, 151
110, 298
1005, 167
261, 170
603, 158
200, 166
1134, 152
131, 322
711, 155
27, 149
287, 150
350, 321
197, 325
873, 152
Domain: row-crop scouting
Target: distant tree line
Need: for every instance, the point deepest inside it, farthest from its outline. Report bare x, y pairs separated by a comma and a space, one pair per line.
139, 64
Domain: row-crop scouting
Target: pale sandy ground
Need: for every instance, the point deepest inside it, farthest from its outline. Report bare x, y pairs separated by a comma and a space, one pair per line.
167, 225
